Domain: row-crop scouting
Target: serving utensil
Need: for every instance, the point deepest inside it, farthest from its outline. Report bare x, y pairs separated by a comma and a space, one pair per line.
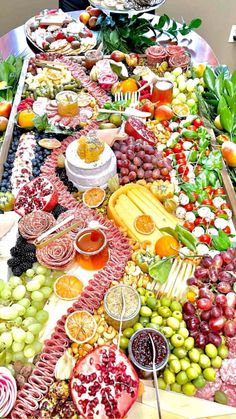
128, 111
121, 317
96, 225
155, 375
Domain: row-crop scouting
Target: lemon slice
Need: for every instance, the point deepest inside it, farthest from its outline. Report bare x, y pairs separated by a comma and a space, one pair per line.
144, 224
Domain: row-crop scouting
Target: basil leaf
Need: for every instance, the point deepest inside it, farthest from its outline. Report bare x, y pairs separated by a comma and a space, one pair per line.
114, 37
117, 69
209, 78
202, 195
226, 119
41, 122
213, 178
221, 241
187, 238
192, 157
214, 160
189, 134
160, 271
202, 180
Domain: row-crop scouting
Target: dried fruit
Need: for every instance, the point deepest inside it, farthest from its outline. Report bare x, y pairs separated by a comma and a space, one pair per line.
80, 326
144, 224
94, 197
50, 143
104, 384
68, 287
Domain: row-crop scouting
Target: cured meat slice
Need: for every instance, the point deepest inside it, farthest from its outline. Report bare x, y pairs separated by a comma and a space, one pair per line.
230, 392
175, 50
32, 225
58, 254
228, 371
180, 60
36, 382
208, 391
231, 343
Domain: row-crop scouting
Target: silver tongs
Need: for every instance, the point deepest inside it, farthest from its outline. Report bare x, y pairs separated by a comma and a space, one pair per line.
155, 376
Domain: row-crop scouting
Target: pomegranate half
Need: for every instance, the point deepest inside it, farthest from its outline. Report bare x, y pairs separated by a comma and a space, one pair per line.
104, 384
137, 129
39, 194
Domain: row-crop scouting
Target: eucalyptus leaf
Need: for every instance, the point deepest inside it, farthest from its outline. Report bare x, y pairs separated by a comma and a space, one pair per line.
195, 23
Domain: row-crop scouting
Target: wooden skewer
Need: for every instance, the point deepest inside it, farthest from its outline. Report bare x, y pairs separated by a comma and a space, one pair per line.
58, 235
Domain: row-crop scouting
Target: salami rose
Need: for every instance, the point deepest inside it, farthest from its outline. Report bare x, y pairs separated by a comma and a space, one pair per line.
180, 60
58, 254
155, 55
106, 80
32, 225
175, 50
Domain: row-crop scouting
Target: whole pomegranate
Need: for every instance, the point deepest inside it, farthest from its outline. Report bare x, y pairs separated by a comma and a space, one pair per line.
104, 384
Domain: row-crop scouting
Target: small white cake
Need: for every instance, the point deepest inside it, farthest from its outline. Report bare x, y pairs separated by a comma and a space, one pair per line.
86, 175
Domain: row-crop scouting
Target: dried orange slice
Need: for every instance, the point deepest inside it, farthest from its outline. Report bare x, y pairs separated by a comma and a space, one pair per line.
84, 99
181, 109
94, 197
68, 287
80, 326
144, 224
50, 143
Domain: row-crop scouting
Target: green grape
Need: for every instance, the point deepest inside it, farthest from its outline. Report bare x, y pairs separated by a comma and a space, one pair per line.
42, 270
18, 335
42, 316
29, 351
18, 346
30, 273
19, 292
46, 291
14, 281
3, 327
25, 302
6, 293
18, 321
33, 285
19, 356
37, 346
21, 309
37, 296
30, 312
40, 279
38, 304
35, 328
7, 339
2, 284
35, 265
28, 321
29, 337
8, 313
9, 356
49, 282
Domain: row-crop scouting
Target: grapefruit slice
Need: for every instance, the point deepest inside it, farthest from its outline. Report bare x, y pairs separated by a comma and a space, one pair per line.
144, 224
94, 197
68, 287
80, 326
49, 143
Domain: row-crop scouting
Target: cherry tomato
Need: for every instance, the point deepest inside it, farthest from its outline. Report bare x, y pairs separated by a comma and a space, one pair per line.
212, 222
207, 201
182, 162
189, 207
225, 206
194, 148
218, 191
198, 169
185, 179
205, 238
192, 128
169, 151
200, 221
180, 156
189, 226
220, 213
177, 148
183, 170
165, 124
167, 177
227, 230
208, 189
194, 196
181, 140
197, 122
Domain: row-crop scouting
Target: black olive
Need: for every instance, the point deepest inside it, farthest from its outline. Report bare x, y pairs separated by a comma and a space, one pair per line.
34, 26
50, 39
75, 44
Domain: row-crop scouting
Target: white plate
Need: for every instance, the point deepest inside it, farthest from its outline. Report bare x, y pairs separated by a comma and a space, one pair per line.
128, 12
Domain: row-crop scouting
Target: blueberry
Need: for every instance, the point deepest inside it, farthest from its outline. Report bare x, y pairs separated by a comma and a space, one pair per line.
3, 189
34, 162
5, 164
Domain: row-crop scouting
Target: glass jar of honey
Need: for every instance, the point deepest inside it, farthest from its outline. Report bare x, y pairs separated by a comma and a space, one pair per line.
92, 57
162, 92
92, 249
67, 103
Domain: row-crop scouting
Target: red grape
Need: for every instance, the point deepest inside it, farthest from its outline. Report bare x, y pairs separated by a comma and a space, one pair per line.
229, 267
119, 164
230, 329
229, 312
225, 276
154, 161
137, 161
148, 174
188, 308
217, 324
224, 287
125, 163
123, 156
206, 262
217, 261
200, 341
164, 171
118, 154
147, 158
141, 154
214, 339
156, 174
147, 166
231, 299
216, 312
161, 164
201, 273
213, 274
130, 154
140, 173
206, 293
124, 171
124, 180
205, 315
137, 147
132, 176
133, 168
123, 148
204, 327
226, 256
204, 304
193, 323
116, 145
221, 300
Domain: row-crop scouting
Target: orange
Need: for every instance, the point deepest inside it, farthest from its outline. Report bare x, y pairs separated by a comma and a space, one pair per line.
144, 224
94, 197
68, 287
128, 85
80, 326
167, 246
26, 118
50, 143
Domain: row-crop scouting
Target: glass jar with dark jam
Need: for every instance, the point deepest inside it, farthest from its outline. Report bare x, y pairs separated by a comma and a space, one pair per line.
141, 353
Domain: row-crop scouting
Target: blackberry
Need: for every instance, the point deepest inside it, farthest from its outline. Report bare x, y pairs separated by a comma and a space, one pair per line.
29, 247
20, 240
30, 257
17, 271
14, 251
59, 209
25, 265
11, 262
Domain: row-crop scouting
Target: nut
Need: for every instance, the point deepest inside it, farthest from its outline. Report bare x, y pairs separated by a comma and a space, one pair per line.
100, 310
115, 341
94, 339
110, 335
100, 330
87, 347
100, 341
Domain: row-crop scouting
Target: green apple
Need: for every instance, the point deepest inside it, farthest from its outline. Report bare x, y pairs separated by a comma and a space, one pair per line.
189, 389
165, 302
161, 383
182, 378
178, 315
182, 324
216, 362
144, 320
128, 332
141, 290
197, 367
191, 373
184, 364
173, 323
151, 302
189, 343
137, 326
145, 311
168, 376
167, 331
223, 351
143, 300
183, 331
153, 326
164, 311
204, 361
150, 294
180, 352
194, 355
209, 374
171, 357
176, 387
157, 320
175, 366
177, 340
175, 306
211, 350
200, 381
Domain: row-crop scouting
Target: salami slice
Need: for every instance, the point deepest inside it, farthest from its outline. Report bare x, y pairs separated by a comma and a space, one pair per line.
58, 254
32, 225
230, 392
155, 55
228, 371
180, 60
175, 50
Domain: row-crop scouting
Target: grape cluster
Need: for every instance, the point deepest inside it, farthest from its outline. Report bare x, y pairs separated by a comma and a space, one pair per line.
23, 256
136, 159
61, 173
22, 313
214, 311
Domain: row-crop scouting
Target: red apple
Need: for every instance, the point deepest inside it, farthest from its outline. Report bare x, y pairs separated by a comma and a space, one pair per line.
95, 12
117, 56
163, 113
92, 22
148, 107
3, 123
5, 108
84, 17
